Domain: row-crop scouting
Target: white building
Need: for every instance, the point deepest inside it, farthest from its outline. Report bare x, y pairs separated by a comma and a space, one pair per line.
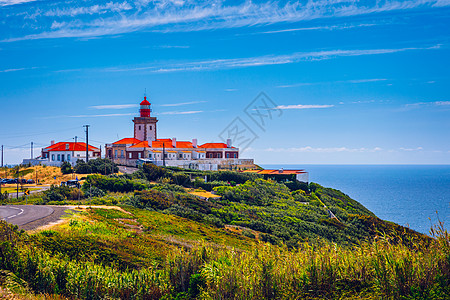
56, 154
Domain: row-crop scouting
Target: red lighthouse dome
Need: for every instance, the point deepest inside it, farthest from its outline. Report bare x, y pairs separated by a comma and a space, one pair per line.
145, 108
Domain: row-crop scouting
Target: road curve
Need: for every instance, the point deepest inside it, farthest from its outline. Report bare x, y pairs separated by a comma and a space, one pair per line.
24, 214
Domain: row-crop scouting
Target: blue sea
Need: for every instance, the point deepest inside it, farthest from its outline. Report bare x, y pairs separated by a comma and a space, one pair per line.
409, 195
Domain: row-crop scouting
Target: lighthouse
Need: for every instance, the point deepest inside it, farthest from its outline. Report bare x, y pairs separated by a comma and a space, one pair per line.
145, 125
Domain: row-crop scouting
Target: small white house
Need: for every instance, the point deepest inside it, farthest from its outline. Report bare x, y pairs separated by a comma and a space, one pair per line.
56, 154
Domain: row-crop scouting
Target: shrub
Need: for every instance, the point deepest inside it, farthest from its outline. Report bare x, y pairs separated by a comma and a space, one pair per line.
56, 194
82, 167
152, 198
66, 168
153, 172
94, 192
113, 184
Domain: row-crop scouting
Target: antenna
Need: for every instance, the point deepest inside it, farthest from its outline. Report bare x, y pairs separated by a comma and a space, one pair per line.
145, 92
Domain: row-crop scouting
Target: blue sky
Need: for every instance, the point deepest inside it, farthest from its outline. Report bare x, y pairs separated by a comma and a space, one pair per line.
344, 82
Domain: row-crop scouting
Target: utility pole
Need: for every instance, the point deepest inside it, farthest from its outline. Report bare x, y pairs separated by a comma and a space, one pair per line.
2, 156
31, 150
164, 155
76, 139
87, 142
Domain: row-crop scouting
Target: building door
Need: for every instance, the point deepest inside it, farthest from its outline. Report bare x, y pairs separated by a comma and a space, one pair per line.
62, 157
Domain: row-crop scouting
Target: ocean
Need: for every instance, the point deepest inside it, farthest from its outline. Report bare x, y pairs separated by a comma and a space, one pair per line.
409, 195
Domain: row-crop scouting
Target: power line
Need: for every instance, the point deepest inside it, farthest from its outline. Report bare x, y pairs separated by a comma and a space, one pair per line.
34, 134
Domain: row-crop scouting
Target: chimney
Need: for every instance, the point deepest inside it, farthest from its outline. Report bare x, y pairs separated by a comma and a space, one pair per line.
174, 142
52, 143
228, 143
194, 143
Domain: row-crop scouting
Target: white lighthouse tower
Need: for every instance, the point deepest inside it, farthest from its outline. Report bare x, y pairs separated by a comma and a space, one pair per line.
145, 125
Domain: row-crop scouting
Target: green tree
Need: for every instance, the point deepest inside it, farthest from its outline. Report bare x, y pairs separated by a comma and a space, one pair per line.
82, 167
66, 168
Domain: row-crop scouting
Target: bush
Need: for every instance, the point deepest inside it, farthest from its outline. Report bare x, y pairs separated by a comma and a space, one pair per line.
66, 168
153, 172
103, 166
113, 184
99, 165
94, 192
181, 179
56, 194
152, 198
236, 177
82, 167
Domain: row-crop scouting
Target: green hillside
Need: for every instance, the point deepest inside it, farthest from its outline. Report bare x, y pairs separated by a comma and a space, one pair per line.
261, 239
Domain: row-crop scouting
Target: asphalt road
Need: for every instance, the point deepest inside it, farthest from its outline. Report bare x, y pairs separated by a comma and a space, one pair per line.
24, 214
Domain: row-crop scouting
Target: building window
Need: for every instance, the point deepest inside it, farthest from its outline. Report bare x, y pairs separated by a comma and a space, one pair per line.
68, 157
149, 155
53, 157
121, 153
59, 157
115, 153
228, 155
139, 127
139, 155
129, 155
150, 127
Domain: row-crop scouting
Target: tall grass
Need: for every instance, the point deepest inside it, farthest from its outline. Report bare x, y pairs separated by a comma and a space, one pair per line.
381, 269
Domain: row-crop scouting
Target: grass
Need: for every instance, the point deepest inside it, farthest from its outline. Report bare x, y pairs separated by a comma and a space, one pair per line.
380, 269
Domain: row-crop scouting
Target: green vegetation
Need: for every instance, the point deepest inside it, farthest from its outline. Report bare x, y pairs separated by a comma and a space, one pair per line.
66, 168
101, 166
261, 239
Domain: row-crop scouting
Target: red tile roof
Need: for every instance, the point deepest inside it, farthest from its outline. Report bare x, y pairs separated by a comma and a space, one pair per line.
143, 144
159, 144
213, 145
127, 141
184, 145
70, 146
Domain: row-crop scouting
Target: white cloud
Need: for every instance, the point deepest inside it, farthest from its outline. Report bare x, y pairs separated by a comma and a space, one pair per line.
324, 150
411, 149
13, 2
172, 16
182, 103
302, 106
171, 47
421, 104
331, 27
97, 116
266, 60
354, 81
17, 69
114, 106
181, 112
89, 10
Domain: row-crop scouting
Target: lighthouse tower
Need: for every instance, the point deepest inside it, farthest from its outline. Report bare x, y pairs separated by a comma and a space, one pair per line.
145, 125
